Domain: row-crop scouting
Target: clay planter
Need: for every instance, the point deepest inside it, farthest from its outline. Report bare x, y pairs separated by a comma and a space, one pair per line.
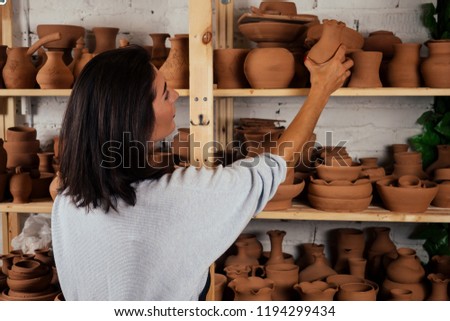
443, 160
332, 173
436, 68
283, 196
254, 247
401, 295
271, 33
176, 66
20, 133
366, 69
340, 189
439, 285
54, 74
316, 291
229, 68
339, 205
383, 41
317, 271
412, 200
220, 281
252, 289
269, 68
403, 69
406, 268
356, 292
442, 198
159, 52
285, 277
105, 39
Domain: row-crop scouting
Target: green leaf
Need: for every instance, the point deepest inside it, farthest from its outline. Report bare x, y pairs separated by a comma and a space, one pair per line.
428, 19
430, 137
443, 127
441, 104
425, 118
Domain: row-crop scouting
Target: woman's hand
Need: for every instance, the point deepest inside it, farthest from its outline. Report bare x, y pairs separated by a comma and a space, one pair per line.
329, 76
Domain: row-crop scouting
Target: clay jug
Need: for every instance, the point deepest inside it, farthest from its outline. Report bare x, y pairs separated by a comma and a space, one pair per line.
55, 74
105, 39
383, 41
20, 186
442, 161
350, 244
285, 277
80, 63
329, 41
316, 291
381, 245
241, 257
269, 68
436, 68
176, 66
403, 69
401, 295
317, 271
3, 157
406, 268
229, 68
252, 289
439, 285
159, 51
366, 69
254, 247
54, 185
276, 250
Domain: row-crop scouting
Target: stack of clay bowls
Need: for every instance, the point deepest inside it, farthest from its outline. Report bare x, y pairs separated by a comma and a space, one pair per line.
406, 194
442, 178
408, 163
338, 187
22, 147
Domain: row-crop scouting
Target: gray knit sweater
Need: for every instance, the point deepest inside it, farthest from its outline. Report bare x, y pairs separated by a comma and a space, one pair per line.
161, 248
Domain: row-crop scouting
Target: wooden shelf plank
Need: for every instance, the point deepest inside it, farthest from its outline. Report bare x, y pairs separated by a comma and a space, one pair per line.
372, 214
387, 91
54, 92
35, 206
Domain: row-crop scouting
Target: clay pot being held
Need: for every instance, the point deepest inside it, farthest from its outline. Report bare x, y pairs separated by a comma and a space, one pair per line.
329, 41
436, 68
55, 74
229, 68
176, 65
366, 69
20, 186
403, 69
406, 268
105, 38
316, 291
252, 289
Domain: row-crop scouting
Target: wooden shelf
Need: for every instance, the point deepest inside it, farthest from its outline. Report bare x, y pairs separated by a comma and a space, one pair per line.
35, 206
387, 91
372, 214
53, 92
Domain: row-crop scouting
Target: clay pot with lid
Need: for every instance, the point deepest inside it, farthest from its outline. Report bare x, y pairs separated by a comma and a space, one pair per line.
229, 68
20, 186
403, 69
252, 289
436, 67
159, 51
55, 74
105, 38
316, 291
366, 69
176, 65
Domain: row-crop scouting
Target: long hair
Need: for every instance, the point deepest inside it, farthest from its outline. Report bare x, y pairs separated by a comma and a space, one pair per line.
107, 124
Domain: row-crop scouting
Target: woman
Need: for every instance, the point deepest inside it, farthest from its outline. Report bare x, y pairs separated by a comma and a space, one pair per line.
124, 231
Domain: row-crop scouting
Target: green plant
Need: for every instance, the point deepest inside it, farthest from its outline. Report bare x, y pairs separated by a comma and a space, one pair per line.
436, 236
437, 19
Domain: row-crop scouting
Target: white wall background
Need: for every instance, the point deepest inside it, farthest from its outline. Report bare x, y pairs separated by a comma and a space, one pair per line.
368, 124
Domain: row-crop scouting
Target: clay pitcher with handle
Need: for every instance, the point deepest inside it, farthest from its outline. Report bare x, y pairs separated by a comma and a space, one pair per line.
19, 72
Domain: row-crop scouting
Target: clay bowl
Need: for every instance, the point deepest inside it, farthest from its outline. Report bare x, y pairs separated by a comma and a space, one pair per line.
283, 8
20, 133
271, 31
37, 284
69, 35
351, 38
408, 158
332, 173
361, 188
339, 205
411, 200
442, 174
31, 146
340, 279
43, 296
284, 195
27, 269
27, 160
442, 198
40, 186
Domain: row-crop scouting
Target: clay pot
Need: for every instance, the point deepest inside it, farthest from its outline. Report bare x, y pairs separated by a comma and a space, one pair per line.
349, 244
22, 147
340, 189
328, 43
278, 8
276, 247
27, 269
401, 295
357, 266
406, 268
241, 257
55, 74
285, 277
339, 205
442, 161
283, 196
317, 271
408, 158
340, 279
356, 292
45, 161
332, 173
307, 254
40, 185
220, 281
252, 289
235, 271
159, 52
440, 174
316, 291
269, 68
176, 65
398, 148
419, 290
403, 69
383, 41
409, 181
441, 264
20, 186
229, 68
254, 247
442, 198
44, 256
415, 170
36, 284
381, 245
436, 68
105, 39
20, 133
366, 69
287, 258
439, 285
7, 262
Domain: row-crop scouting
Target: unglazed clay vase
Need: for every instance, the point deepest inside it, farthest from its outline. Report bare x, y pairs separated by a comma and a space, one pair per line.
229, 68
406, 268
317, 271
366, 69
254, 247
159, 51
19, 72
439, 285
176, 65
285, 277
383, 41
105, 39
316, 291
436, 68
20, 186
329, 41
403, 69
55, 74
276, 247
350, 244
443, 160
269, 68
252, 289
241, 257
381, 245
356, 292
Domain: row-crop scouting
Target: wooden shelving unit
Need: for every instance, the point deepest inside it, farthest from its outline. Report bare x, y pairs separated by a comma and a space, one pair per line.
53, 92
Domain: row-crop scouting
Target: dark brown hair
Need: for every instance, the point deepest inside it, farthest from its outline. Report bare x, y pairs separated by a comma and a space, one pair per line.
106, 127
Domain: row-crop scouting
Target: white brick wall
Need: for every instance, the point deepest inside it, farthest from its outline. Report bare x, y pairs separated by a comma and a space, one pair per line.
369, 124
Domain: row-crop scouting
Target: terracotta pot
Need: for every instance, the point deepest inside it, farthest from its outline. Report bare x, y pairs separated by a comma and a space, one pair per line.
416, 170
398, 148
349, 244
356, 292
252, 289
37, 284
403, 69
19, 72
316, 291
27, 269
272, 34
440, 174
442, 161
401, 295
45, 161
436, 68
229, 68
332, 173
439, 285
406, 268
20, 133
307, 254
409, 181
269, 68
383, 41
340, 189
381, 245
287, 258
279, 8
176, 65
442, 198
369, 162
419, 290
220, 281
366, 69
25, 160
340, 279
317, 271
285, 277
254, 247
408, 158
20, 186
48, 295
105, 39
159, 52
55, 74
44, 256
339, 205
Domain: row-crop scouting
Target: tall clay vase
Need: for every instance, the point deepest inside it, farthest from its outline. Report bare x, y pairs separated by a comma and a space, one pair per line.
381, 245
229, 68
159, 51
442, 161
55, 74
366, 69
105, 38
350, 244
20, 186
176, 67
19, 72
276, 247
403, 69
407, 268
252, 289
254, 247
285, 277
329, 41
439, 285
436, 68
